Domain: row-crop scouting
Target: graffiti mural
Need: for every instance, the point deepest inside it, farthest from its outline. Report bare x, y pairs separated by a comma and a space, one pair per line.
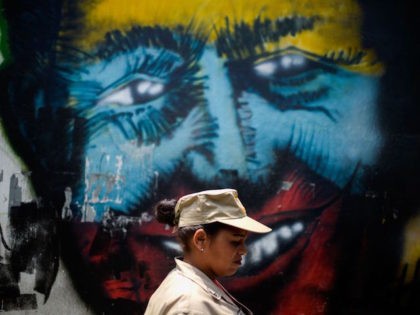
305, 107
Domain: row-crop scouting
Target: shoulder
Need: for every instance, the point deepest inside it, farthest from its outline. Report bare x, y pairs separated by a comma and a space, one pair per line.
178, 294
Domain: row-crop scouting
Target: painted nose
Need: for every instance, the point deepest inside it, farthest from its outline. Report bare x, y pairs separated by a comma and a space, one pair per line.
229, 149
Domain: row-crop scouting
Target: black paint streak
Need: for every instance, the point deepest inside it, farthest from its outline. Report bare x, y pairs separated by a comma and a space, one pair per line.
241, 40
35, 245
3, 240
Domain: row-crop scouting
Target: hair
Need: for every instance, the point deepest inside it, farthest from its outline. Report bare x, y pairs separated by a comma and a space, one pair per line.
164, 211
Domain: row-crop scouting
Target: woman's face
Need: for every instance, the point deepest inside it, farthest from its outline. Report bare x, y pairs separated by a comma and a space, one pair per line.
223, 252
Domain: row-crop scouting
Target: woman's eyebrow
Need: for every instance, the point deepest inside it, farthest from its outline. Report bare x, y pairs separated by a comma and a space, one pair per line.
241, 40
240, 234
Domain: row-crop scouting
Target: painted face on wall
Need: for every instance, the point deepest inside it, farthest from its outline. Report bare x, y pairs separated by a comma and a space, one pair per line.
277, 99
219, 92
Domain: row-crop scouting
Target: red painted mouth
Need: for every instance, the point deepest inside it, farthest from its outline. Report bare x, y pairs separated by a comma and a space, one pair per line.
132, 265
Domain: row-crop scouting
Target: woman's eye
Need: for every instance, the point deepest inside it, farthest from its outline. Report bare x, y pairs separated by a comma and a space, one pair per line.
135, 92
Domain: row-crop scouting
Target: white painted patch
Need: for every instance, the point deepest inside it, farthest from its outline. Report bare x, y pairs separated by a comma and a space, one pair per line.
297, 227
66, 211
286, 185
143, 86
156, 89
286, 62
265, 68
122, 97
285, 232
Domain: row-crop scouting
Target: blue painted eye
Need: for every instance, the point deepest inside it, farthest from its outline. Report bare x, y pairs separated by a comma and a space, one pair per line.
287, 65
135, 92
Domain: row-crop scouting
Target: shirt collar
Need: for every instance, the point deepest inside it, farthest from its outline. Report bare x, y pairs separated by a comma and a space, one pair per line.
200, 278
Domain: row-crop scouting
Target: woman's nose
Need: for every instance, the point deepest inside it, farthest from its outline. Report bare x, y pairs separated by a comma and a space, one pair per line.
243, 250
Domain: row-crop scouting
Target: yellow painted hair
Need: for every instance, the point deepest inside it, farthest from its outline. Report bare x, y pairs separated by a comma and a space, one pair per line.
337, 28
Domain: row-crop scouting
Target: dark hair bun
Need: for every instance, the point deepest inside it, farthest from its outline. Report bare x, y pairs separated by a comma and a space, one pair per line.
165, 211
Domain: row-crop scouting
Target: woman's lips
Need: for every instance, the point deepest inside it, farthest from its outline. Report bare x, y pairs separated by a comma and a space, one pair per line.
238, 262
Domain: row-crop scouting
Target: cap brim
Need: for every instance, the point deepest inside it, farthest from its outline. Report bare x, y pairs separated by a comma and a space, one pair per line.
248, 224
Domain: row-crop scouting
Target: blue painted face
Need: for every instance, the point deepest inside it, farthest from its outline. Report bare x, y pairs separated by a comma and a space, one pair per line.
156, 112
176, 108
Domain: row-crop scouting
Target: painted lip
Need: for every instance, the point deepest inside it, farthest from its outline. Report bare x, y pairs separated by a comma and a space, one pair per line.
294, 208
272, 252
293, 213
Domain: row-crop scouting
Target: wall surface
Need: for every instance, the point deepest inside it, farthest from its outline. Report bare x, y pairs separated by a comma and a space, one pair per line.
307, 108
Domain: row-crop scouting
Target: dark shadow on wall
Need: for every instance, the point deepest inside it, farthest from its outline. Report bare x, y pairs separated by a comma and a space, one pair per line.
373, 279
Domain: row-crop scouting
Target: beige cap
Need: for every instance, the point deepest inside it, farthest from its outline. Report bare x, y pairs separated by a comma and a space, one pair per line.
220, 205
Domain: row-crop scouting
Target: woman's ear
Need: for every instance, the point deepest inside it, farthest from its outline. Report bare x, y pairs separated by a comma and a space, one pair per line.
199, 240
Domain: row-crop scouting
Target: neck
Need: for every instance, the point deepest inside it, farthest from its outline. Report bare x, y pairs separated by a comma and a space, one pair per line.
199, 262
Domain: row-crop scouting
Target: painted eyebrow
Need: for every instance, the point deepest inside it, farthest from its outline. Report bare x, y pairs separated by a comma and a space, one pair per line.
242, 40
184, 40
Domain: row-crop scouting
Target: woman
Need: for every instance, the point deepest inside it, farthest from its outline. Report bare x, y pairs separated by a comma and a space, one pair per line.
212, 227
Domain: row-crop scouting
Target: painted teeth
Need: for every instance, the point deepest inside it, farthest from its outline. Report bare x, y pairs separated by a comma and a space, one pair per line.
272, 243
262, 249
297, 227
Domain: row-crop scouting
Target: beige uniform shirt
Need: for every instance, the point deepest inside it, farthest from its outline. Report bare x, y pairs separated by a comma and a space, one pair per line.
187, 290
